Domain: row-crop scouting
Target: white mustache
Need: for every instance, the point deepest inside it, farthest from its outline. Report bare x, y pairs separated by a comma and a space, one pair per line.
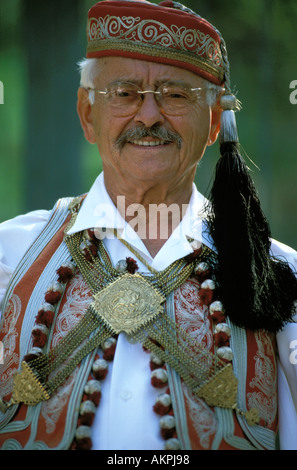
156, 131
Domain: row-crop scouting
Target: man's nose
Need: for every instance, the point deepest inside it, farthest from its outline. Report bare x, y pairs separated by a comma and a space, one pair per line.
149, 112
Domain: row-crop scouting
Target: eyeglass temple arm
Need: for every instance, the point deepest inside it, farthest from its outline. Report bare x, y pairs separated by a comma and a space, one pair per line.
140, 92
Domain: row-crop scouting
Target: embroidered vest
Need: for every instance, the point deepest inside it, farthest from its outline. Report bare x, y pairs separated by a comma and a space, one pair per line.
52, 424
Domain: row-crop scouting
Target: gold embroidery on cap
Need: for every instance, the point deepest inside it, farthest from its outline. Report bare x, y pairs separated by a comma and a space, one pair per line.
111, 31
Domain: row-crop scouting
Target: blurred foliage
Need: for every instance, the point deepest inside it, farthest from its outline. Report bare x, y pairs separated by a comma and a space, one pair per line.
261, 41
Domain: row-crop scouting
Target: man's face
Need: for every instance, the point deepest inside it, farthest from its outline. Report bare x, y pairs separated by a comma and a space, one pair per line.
132, 159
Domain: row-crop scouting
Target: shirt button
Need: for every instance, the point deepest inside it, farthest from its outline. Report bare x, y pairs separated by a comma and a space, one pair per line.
126, 395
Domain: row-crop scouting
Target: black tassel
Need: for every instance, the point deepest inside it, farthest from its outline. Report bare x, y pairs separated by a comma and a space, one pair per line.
257, 291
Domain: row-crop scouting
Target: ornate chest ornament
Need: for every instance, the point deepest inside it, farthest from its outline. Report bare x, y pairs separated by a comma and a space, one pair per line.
128, 304
132, 303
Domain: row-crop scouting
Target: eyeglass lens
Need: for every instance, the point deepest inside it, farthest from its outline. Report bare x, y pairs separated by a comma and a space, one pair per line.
126, 98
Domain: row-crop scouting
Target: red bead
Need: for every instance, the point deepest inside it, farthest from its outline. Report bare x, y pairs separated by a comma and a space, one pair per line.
46, 315
65, 272
39, 337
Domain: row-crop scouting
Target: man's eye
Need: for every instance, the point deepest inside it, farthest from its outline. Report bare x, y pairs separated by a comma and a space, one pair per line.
124, 93
175, 94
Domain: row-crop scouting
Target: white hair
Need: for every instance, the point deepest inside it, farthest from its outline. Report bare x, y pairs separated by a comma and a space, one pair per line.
212, 93
89, 69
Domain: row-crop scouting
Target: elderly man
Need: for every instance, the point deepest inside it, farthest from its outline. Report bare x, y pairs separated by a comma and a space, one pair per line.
141, 316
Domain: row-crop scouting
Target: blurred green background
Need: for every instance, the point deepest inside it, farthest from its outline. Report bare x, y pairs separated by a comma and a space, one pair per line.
43, 154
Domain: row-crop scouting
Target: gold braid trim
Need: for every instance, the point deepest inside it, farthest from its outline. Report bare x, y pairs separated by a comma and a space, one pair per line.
151, 50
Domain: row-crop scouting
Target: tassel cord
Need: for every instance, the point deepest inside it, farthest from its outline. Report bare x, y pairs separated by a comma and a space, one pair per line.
258, 291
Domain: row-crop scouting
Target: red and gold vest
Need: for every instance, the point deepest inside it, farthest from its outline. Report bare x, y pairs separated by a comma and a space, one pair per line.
52, 424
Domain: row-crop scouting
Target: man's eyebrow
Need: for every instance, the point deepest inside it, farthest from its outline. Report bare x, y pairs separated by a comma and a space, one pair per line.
180, 83
126, 80
157, 83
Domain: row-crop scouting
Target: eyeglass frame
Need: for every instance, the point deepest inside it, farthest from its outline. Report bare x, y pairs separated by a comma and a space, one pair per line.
140, 92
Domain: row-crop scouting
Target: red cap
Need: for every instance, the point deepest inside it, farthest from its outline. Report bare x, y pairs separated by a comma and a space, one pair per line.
159, 33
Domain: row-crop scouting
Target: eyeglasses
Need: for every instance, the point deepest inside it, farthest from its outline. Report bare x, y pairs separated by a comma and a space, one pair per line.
125, 98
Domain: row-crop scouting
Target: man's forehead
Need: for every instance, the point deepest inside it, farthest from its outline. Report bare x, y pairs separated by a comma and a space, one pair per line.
142, 71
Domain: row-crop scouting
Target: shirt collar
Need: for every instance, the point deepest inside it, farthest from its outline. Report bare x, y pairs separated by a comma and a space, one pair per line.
97, 210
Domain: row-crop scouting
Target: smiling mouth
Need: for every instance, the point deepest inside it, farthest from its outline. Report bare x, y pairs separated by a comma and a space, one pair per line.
145, 143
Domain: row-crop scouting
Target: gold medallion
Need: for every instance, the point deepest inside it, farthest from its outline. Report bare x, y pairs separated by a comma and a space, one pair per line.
221, 389
128, 303
26, 387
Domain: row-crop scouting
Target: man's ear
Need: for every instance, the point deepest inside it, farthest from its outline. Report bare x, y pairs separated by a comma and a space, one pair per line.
215, 124
84, 109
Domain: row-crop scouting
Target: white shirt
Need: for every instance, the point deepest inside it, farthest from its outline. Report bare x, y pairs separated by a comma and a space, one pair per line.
124, 419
